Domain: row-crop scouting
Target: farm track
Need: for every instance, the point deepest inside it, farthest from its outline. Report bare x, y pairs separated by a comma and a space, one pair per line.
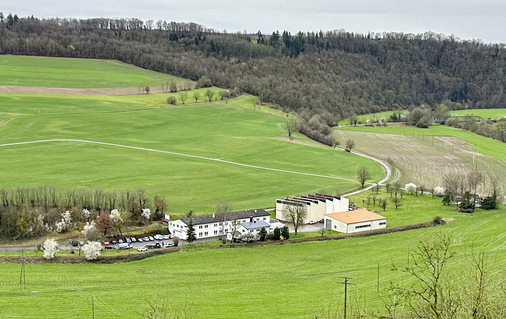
212, 159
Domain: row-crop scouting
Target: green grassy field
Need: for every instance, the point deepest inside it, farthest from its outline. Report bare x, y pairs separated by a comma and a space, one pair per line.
291, 281
479, 143
378, 116
484, 113
76, 73
236, 131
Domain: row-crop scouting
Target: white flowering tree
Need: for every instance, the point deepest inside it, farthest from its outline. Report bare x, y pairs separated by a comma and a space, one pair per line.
90, 231
92, 250
50, 247
86, 213
439, 191
410, 188
146, 214
118, 219
65, 223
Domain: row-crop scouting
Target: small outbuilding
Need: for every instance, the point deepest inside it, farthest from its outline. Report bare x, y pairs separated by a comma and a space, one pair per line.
354, 221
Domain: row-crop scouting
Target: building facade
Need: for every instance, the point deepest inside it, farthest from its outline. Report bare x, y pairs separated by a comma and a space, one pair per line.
217, 224
315, 205
354, 221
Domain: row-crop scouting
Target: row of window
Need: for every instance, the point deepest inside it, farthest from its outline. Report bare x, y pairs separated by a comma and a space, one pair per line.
363, 226
226, 223
383, 223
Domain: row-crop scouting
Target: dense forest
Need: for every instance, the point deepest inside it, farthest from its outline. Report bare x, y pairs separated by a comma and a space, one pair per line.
331, 74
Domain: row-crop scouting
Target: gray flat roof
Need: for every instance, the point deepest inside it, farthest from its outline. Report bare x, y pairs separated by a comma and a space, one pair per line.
257, 224
216, 218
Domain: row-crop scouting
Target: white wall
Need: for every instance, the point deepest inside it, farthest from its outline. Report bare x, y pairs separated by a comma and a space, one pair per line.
352, 228
341, 205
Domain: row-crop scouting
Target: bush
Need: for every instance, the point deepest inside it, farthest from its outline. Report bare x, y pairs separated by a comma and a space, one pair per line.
175, 240
277, 234
489, 202
438, 220
204, 82
156, 228
172, 100
285, 232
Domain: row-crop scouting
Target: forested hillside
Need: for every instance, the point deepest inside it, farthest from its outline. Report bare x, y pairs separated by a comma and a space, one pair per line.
332, 74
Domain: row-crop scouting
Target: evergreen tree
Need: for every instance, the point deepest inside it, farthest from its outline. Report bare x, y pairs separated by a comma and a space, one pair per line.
190, 232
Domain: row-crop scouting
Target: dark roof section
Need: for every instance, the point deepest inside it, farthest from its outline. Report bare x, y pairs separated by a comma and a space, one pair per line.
216, 218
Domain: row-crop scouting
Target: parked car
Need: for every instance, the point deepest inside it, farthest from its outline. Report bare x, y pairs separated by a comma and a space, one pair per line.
106, 243
166, 237
146, 238
128, 240
120, 241
108, 247
133, 239
139, 240
75, 243
312, 222
114, 242
151, 238
167, 244
124, 246
158, 237
142, 249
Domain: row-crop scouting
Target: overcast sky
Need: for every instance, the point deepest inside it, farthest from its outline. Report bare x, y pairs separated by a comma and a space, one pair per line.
466, 19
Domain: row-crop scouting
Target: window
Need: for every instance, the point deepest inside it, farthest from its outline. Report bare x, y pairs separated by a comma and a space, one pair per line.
216, 232
206, 226
265, 218
200, 227
383, 223
362, 226
205, 234
215, 225
200, 234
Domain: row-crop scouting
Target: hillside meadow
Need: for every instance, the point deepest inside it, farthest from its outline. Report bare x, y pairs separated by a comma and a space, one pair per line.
76, 73
236, 130
291, 280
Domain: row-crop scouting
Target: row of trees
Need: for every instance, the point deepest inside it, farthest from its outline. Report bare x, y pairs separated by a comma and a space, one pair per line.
34, 212
335, 72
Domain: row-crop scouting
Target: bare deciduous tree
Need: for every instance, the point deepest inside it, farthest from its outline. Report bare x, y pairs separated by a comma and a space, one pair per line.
363, 175
296, 214
290, 125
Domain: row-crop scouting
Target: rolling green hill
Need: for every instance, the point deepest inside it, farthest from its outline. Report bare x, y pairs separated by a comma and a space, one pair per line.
75, 73
237, 131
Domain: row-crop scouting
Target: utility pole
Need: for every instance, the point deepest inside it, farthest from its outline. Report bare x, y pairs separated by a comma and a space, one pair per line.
346, 283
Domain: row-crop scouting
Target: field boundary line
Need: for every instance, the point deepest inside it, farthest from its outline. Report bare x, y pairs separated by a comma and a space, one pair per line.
198, 157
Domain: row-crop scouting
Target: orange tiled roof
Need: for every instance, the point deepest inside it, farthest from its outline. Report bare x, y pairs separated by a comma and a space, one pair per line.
356, 216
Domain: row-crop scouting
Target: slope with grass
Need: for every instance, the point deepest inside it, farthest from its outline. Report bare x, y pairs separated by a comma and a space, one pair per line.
291, 281
484, 113
236, 131
75, 73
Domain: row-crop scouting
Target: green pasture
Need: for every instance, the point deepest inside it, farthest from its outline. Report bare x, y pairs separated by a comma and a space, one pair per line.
378, 116
291, 280
76, 73
236, 130
479, 143
484, 113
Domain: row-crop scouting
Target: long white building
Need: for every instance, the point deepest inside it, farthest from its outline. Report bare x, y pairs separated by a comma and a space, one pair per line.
316, 206
218, 224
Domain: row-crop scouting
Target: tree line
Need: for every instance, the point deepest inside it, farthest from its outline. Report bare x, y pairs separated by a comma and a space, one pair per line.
33, 212
333, 74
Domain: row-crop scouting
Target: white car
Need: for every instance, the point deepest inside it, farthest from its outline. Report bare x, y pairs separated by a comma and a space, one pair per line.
166, 237
312, 222
158, 237
140, 249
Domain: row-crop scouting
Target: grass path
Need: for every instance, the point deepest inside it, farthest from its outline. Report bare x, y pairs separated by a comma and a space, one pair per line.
200, 157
